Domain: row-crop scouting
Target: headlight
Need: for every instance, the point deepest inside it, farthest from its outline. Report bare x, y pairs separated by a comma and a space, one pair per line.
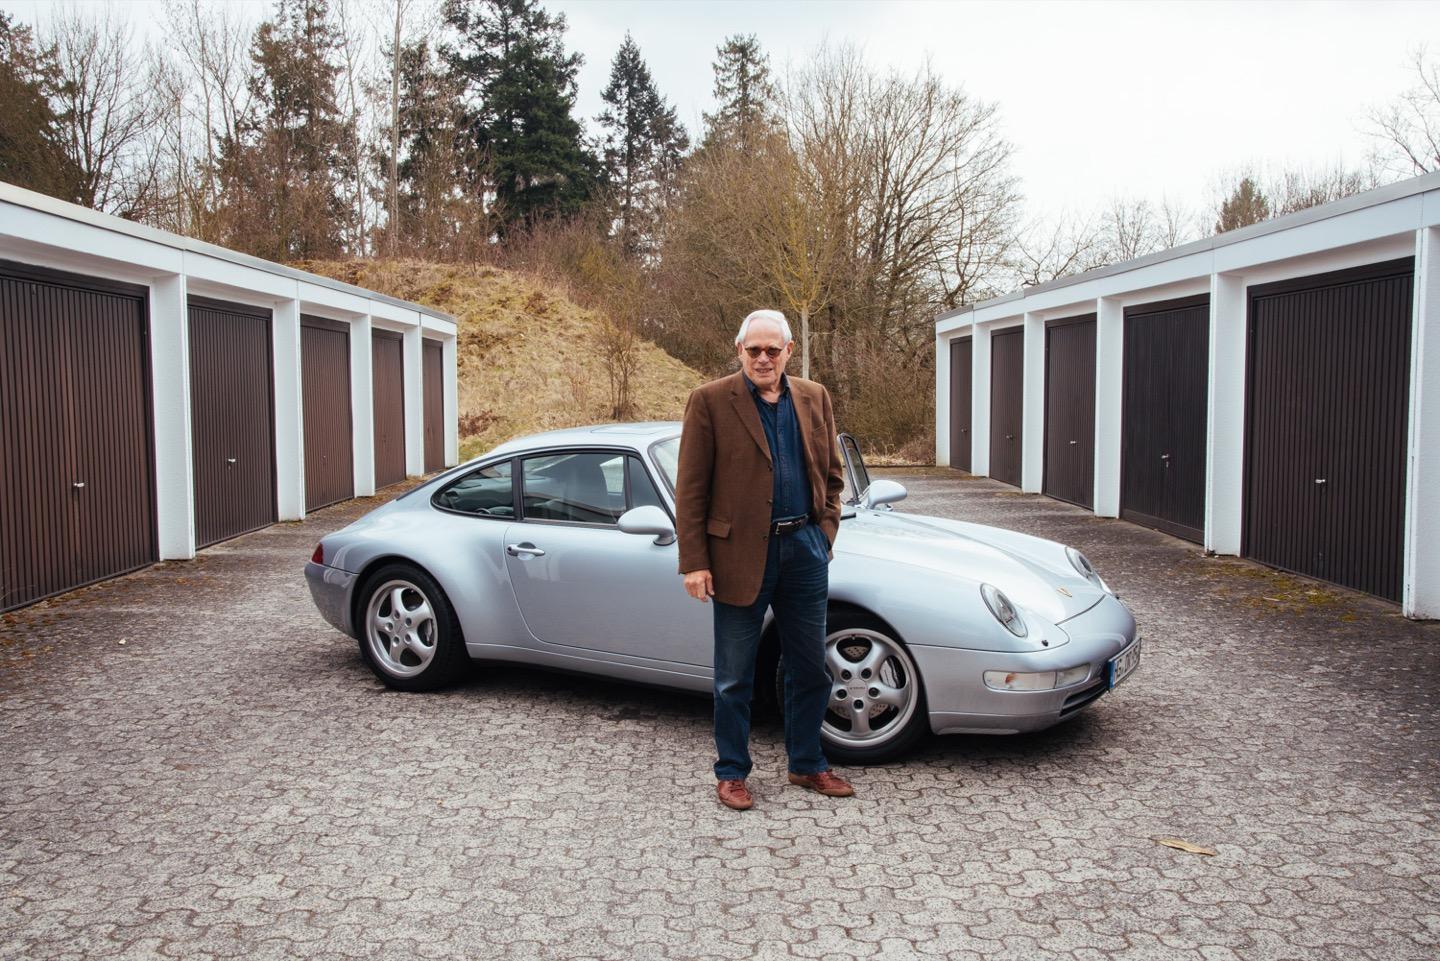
1037, 681
1003, 610
1082, 564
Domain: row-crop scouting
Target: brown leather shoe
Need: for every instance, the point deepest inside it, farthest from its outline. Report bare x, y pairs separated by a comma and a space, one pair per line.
827, 783
734, 795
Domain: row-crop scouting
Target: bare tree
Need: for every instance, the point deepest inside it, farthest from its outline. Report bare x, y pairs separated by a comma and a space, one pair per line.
1298, 189
1045, 252
1129, 229
1408, 128
108, 108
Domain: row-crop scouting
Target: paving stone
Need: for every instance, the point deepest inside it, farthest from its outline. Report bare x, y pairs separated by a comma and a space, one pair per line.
232, 782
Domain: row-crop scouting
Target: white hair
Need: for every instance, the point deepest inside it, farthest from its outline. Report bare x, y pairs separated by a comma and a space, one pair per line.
771, 315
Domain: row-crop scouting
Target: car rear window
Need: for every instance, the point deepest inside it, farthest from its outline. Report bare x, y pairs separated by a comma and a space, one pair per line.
486, 492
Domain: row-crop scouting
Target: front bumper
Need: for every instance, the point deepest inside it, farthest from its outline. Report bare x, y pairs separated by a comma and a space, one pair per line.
331, 588
960, 703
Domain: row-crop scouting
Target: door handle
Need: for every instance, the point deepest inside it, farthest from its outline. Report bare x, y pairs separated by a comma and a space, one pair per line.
78, 485
1319, 480
964, 430
1009, 436
526, 549
1074, 442
1164, 456
230, 461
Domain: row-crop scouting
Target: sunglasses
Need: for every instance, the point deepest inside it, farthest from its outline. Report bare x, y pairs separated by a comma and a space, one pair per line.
771, 352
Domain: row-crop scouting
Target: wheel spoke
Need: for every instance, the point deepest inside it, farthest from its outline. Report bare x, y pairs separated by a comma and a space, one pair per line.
872, 660
397, 603
418, 646
890, 696
835, 662
859, 720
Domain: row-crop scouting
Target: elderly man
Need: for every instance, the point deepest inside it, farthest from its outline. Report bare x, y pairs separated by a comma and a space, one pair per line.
757, 509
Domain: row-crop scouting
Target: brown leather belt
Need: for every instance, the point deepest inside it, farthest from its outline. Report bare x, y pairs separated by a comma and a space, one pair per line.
780, 528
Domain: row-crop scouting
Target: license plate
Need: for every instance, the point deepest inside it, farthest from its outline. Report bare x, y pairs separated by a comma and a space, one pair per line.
1122, 665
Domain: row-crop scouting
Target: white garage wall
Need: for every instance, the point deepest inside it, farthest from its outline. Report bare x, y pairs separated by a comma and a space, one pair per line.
44, 232
1399, 220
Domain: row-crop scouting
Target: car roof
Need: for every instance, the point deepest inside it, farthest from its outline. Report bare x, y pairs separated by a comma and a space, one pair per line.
636, 435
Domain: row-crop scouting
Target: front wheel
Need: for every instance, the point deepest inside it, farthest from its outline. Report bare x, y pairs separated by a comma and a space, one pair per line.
409, 634
876, 707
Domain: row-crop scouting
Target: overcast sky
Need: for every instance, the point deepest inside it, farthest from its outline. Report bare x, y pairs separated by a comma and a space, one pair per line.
1100, 99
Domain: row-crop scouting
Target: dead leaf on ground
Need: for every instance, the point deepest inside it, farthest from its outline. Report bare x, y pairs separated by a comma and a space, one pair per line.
1186, 846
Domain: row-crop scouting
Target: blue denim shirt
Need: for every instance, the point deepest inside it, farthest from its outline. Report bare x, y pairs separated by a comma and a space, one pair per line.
791, 497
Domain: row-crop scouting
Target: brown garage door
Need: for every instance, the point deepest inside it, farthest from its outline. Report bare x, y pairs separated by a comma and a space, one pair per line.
76, 456
1007, 397
1070, 410
388, 377
960, 379
232, 419
434, 385
329, 450
1329, 366
1163, 435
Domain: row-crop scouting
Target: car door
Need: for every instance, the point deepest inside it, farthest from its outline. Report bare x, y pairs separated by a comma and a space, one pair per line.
583, 583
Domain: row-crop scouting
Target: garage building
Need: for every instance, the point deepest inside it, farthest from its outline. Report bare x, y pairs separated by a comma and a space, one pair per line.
159, 394
1272, 392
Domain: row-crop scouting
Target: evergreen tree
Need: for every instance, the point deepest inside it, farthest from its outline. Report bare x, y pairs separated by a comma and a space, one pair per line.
743, 89
284, 172
522, 90
32, 149
1246, 206
642, 149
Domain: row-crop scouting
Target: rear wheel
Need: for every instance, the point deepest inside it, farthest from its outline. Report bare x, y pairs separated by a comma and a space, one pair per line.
876, 708
409, 634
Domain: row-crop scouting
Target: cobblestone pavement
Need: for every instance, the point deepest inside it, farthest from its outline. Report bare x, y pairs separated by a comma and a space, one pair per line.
196, 766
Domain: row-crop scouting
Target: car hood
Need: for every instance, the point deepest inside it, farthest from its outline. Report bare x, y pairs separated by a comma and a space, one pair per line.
1033, 572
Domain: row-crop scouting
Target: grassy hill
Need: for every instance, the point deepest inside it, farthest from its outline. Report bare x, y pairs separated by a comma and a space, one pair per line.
528, 359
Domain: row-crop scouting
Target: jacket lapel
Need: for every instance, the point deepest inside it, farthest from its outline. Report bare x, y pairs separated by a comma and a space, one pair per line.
749, 416
801, 400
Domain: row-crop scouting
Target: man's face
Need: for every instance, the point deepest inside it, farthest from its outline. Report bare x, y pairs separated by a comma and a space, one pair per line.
764, 371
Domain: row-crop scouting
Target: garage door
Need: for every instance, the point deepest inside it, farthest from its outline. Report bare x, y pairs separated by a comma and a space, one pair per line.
388, 376
1163, 432
961, 376
232, 419
329, 455
77, 498
1070, 410
1007, 396
434, 383
1326, 445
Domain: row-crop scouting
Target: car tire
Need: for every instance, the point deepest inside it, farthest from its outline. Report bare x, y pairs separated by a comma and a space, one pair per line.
409, 634
851, 637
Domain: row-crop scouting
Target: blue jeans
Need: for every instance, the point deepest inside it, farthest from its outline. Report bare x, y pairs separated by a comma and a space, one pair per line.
797, 587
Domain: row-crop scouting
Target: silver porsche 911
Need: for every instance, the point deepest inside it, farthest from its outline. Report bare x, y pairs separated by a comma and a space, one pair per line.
559, 550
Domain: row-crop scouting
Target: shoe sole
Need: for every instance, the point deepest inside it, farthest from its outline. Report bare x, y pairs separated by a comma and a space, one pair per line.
801, 782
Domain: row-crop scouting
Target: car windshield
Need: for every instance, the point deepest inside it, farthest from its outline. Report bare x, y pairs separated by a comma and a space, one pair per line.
666, 455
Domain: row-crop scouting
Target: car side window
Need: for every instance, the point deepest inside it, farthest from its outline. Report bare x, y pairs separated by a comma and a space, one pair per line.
642, 489
487, 492
586, 487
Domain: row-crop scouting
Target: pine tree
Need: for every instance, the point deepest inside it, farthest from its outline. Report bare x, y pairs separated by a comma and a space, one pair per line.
522, 92
1246, 206
642, 149
32, 150
283, 176
743, 89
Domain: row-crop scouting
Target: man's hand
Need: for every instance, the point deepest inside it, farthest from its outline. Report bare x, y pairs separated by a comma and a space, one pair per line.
699, 585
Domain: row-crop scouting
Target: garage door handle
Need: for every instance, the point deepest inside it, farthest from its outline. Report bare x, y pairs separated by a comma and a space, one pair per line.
964, 430
1074, 442
1319, 480
1009, 436
78, 485
230, 460
527, 549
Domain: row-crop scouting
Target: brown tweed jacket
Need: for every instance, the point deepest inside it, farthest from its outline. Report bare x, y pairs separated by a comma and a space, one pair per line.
725, 483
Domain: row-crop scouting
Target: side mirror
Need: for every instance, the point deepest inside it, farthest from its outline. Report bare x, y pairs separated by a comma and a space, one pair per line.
881, 492
651, 520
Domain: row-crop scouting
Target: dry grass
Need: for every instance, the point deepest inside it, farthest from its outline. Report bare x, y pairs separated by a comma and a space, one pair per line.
528, 358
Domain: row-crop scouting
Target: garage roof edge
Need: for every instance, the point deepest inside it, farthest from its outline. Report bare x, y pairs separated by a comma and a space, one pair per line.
19, 196
1335, 208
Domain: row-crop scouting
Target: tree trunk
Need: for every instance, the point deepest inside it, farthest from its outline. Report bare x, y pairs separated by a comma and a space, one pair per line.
805, 341
392, 194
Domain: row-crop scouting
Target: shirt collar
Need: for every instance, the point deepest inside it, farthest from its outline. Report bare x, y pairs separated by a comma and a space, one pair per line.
755, 391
